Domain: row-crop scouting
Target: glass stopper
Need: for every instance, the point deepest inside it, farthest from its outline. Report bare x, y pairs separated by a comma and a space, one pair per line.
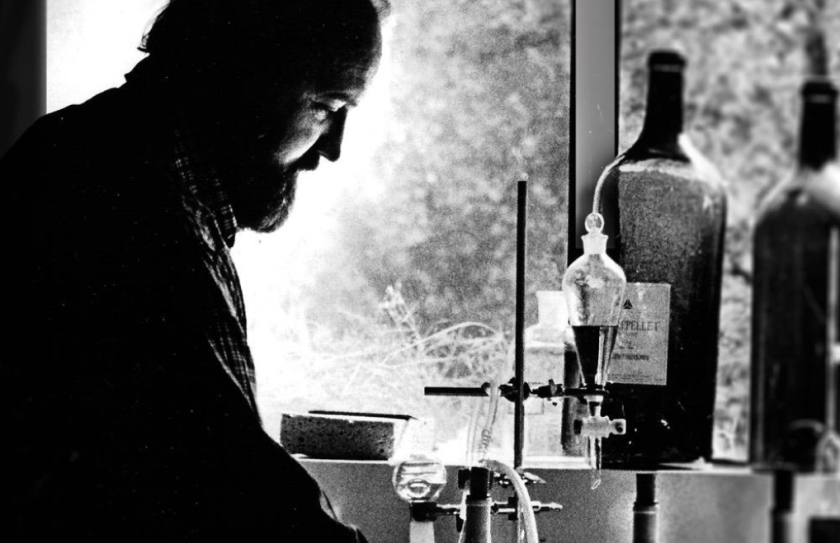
594, 223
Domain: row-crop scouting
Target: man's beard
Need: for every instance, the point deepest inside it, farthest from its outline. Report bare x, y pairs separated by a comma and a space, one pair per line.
263, 203
262, 200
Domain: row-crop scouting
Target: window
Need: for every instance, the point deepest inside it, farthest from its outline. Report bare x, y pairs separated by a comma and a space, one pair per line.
396, 269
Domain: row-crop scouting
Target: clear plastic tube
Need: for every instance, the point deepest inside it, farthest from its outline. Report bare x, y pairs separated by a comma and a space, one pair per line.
487, 431
481, 437
462, 535
525, 505
479, 444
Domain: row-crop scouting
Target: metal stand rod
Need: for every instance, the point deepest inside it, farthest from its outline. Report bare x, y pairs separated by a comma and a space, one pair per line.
421, 531
519, 353
457, 391
832, 403
781, 514
479, 507
645, 510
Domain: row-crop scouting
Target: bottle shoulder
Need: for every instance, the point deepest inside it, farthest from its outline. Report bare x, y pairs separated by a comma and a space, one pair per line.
596, 269
683, 164
807, 191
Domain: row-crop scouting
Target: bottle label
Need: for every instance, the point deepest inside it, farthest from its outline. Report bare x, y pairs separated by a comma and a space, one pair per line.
641, 350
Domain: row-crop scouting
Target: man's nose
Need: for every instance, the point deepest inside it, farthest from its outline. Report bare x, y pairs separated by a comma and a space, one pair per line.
329, 145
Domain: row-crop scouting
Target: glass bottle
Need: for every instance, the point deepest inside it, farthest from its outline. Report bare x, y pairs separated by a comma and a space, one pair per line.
796, 252
665, 210
548, 427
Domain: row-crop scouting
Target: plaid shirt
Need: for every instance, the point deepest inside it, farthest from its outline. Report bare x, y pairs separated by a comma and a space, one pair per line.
211, 218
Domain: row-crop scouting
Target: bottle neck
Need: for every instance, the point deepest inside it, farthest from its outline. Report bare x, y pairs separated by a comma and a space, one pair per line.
817, 134
594, 243
664, 112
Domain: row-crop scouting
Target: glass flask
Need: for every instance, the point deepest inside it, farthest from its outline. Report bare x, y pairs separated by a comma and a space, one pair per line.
419, 477
594, 288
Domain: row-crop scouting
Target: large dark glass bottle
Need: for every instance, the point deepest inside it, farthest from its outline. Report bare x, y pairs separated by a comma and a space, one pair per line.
796, 254
665, 208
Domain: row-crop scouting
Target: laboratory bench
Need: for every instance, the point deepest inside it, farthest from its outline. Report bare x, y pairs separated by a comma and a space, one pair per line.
715, 504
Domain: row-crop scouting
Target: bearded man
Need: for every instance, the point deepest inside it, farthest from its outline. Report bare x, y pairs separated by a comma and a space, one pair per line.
134, 414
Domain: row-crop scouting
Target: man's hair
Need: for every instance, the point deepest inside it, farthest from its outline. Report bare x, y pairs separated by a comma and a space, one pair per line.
292, 39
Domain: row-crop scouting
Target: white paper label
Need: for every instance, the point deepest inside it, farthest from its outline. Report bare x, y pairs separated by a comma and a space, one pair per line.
641, 348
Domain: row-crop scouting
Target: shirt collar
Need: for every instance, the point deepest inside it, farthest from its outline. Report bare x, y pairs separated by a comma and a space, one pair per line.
201, 179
